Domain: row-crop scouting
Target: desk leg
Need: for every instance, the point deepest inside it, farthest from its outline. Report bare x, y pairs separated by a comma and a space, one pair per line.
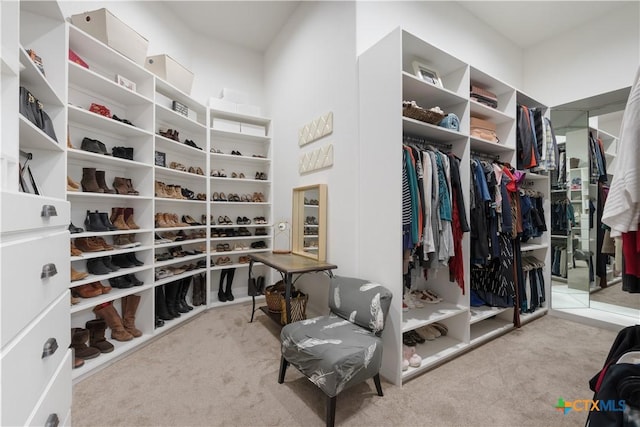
253, 297
287, 294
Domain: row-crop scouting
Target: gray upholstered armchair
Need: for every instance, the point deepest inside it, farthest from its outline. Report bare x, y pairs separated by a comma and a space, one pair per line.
343, 348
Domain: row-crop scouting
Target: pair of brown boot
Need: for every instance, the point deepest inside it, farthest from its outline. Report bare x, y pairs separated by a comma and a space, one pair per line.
97, 343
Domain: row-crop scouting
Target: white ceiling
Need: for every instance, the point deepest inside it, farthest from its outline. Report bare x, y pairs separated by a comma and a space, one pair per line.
254, 24
530, 22
251, 24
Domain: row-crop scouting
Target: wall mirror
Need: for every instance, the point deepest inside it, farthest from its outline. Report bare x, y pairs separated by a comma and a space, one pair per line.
310, 221
586, 272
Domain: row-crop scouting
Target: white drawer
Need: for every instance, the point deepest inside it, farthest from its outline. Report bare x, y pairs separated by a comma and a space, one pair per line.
55, 402
24, 292
26, 212
25, 373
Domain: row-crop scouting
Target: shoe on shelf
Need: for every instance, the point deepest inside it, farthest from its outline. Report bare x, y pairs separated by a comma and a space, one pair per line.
426, 333
72, 185
78, 275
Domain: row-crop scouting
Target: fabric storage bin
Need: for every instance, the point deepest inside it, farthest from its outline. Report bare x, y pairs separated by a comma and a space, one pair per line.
171, 71
483, 129
104, 26
255, 130
226, 125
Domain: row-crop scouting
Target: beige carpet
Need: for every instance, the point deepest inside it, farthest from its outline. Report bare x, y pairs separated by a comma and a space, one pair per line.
219, 370
614, 295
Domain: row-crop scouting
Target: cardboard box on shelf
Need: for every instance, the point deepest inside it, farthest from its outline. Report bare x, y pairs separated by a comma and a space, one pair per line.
171, 71
104, 26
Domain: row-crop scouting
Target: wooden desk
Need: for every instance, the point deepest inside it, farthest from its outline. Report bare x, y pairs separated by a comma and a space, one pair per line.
287, 265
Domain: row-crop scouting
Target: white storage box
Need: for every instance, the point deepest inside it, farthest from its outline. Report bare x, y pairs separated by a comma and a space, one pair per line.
226, 125
223, 105
249, 110
171, 71
104, 26
250, 129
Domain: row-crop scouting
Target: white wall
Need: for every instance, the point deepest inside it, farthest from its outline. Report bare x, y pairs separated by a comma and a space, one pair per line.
589, 60
216, 64
446, 25
310, 69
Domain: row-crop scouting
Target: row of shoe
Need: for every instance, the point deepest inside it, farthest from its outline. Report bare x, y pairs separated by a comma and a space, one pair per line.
89, 290
121, 219
172, 270
180, 236
89, 244
418, 298
311, 220
107, 265
174, 135
256, 286
260, 244
310, 231
94, 181
171, 298
311, 201
310, 244
96, 146
223, 260
176, 192
235, 153
425, 333
230, 232
235, 197
170, 220
180, 167
176, 252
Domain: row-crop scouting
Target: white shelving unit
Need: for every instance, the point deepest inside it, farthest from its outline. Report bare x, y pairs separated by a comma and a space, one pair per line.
386, 78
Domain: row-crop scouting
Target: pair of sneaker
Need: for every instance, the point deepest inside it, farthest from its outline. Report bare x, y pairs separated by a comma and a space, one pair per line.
409, 301
426, 296
429, 332
410, 358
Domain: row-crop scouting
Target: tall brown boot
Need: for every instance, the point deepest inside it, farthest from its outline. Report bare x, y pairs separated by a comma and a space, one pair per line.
89, 182
107, 312
128, 218
117, 218
100, 178
97, 328
129, 307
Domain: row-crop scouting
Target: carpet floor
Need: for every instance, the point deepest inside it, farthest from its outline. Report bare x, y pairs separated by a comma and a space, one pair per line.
613, 294
219, 370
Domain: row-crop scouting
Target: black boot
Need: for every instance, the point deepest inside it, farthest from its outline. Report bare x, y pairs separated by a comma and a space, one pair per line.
195, 294
182, 300
171, 296
161, 305
230, 273
92, 222
180, 306
222, 297
203, 289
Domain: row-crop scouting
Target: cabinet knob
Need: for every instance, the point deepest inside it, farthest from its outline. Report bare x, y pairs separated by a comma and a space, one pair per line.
48, 210
52, 421
48, 270
50, 347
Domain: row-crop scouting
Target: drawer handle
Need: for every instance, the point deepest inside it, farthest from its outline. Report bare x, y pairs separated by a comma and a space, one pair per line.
52, 421
50, 347
48, 270
48, 210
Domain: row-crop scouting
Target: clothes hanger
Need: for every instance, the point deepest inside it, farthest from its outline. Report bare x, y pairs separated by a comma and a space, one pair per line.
632, 357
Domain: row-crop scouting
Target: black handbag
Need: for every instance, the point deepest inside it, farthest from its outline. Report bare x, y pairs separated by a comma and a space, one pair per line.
33, 110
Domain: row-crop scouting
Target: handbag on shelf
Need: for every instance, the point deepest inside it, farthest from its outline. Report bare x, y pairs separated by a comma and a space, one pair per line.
47, 124
33, 110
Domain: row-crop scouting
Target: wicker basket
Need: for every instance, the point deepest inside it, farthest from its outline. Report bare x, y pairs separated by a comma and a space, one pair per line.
574, 162
419, 113
273, 294
298, 307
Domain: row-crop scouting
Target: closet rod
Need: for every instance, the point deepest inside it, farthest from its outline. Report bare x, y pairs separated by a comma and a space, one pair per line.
417, 140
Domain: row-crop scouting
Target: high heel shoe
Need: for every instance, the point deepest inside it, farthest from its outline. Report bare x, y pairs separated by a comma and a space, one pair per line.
130, 189
120, 185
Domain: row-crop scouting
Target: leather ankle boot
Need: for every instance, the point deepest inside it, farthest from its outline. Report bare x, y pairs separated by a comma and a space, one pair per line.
79, 338
161, 304
160, 222
100, 178
104, 217
227, 292
131, 257
109, 314
117, 217
92, 222
171, 297
129, 307
89, 182
130, 188
128, 219
120, 184
97, 329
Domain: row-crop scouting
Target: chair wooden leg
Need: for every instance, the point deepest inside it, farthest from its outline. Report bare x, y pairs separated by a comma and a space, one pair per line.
331, 411
283, 369
376, 380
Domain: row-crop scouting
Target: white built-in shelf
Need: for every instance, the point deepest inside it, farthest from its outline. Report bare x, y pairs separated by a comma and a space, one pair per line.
6, 68
426, 130
224, 239
488, 330
165, 144
239, 117
488, 147
234, 252
107, 233
428, 95
97, 277
240, 225
100, 254
241, 203
170, 91
97, 122
185, 201
170, 324
168, 173
478, 314
33, 137
84, 157
105, 196
312, 206
240, 180
184, 275
182, 124
114, 294
218, 157
178, 243
36, 83
525, 247
524, 99
435, 352
485, 112
237, 136
81, 78
179, 260
233, 265
540, 311
417, 317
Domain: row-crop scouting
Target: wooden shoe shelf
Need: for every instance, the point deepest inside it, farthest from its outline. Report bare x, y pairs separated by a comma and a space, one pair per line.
381, 124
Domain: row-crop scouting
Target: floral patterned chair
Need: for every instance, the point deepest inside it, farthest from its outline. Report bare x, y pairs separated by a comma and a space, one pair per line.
343, 348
